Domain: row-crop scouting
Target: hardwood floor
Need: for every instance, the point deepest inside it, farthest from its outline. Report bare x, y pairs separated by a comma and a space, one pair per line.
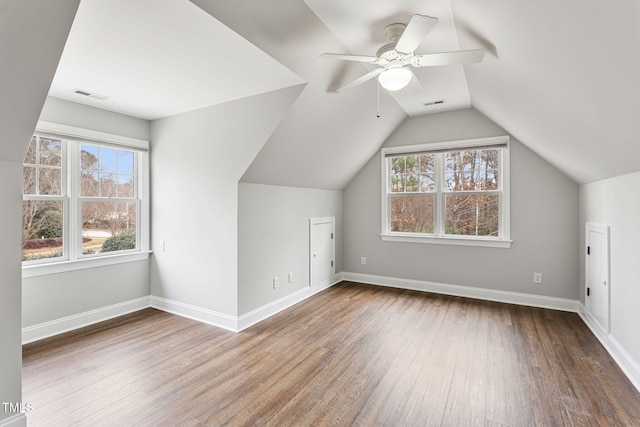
351, 355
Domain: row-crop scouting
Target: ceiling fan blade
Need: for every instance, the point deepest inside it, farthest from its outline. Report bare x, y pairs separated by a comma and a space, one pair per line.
359, 58
448, 58
416, 31
362, 79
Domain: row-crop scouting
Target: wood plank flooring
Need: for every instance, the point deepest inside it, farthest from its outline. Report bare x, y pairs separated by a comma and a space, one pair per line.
351, 355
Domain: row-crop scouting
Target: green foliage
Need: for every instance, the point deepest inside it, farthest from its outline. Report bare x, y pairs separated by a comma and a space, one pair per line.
120, 242
51, 225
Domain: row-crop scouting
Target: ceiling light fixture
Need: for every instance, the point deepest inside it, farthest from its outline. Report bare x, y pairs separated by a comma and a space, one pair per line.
395, 78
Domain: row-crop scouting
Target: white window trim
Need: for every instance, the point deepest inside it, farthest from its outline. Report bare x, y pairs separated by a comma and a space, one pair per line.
504, 241
64, 265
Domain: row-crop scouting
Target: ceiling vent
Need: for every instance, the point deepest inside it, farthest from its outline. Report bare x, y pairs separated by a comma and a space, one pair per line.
90, 94
429, 104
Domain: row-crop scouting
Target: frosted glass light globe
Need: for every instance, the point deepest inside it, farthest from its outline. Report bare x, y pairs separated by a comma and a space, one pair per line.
395, 78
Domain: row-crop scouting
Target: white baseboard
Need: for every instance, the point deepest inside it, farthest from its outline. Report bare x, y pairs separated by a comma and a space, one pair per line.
80, 320
200, 314
466, 291
268, 310
628, 365
17, 420
221, 320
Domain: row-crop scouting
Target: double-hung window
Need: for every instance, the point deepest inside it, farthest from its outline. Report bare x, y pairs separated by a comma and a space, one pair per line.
451, 192
85, 200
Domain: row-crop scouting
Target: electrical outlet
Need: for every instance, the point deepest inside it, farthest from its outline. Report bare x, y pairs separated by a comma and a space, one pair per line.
276, 282
537, 277
290, 277
163, 245
363, 260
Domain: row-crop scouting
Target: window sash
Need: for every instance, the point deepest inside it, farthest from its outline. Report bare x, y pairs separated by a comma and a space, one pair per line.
72, 139
439, 150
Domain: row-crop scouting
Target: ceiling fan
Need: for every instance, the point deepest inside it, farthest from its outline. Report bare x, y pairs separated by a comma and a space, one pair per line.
394, 57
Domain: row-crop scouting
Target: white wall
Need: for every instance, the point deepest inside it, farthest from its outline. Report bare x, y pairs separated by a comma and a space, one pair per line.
544, 227
52, 297
273, 239
616, 202
197, 159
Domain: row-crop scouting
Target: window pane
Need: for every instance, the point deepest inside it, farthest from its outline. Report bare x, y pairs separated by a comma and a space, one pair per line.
397, 183
88, 184
30, 157
107, 172
50, 152
397, 165
412, 174
125, 162
412, 213
42, 226
472, 170
412, 164
472, 215
427, 183
50, 182
108, 159
89, 158
125, 186
108, 226
412, 183
107, 185
29, 180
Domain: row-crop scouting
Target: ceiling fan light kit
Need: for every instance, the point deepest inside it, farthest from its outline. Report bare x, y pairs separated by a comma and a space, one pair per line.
395, 58
395, 78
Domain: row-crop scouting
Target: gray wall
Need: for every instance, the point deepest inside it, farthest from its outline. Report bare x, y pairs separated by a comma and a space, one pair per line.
616, 202
273, 239
10, 243
68, 113
54, 296
197, 159
50, 297
29, 60
544, 226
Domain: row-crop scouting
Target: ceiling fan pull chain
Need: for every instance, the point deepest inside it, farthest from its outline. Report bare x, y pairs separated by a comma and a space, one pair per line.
378, 86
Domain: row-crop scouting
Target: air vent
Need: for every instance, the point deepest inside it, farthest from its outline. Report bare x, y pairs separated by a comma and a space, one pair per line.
90, 94
429, 104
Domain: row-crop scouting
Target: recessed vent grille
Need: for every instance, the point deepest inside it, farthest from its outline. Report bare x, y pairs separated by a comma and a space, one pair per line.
429, 104
90, 94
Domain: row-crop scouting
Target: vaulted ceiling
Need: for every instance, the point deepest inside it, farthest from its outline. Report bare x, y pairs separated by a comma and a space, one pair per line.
560, 77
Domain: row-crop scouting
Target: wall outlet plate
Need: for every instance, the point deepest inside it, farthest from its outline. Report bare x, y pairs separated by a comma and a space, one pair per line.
537, 277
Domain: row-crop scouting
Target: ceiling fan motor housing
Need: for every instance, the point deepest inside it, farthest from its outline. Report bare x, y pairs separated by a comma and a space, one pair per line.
394, 31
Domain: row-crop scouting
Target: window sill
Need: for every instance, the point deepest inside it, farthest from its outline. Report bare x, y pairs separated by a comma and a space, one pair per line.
456, 241
81, 264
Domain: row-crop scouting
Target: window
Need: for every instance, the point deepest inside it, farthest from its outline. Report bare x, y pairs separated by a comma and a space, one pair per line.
451, 192
84, 200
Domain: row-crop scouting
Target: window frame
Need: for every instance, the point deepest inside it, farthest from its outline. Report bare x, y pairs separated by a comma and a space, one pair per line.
439, 237
73, 259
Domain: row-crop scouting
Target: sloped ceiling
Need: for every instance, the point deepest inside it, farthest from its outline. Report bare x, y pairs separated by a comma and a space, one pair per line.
158, 58
326, 137
28, 60
560, 77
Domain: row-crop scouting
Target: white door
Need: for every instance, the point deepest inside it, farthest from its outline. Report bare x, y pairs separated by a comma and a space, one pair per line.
597, 275
322, 251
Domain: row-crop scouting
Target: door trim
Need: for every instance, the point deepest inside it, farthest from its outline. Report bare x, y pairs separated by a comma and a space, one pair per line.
315, 221
603, 229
